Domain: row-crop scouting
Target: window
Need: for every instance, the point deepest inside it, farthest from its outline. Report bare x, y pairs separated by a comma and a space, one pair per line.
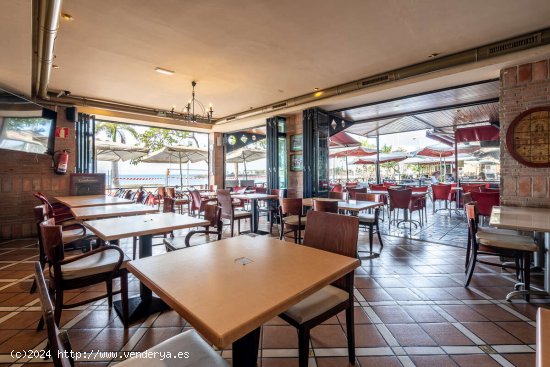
27, 134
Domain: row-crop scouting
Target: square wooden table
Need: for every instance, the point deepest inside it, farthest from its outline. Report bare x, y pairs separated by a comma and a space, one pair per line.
91, 200
227, 301
254, 207
111, 211
144, 226
531, 220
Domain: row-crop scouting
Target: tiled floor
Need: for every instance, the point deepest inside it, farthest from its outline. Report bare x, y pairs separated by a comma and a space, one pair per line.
411, 310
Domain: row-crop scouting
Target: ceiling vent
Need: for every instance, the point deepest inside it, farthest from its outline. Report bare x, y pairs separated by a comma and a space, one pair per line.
231, 118
512, 45
375, 80
278, 105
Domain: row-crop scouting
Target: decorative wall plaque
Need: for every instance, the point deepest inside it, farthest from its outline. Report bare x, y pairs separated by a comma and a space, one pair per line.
528, 137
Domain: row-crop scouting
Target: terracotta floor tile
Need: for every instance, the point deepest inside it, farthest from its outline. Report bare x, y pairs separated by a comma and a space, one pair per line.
82, 337
23, 340
521, 359
279, 362
392, 314
433, 361
521, 330
22, 320
411, 335
111, 339
423, 313
368, 336
494, 313
333, 362
478, 360
359, 317
491, 333
169, 319
375, 294
446, 334
154, 336
328, 336
279, 337
402, 294
379, 361
463, 313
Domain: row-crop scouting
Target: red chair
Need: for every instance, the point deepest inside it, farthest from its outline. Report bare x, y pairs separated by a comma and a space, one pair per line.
471, 187
337, 188
387, 184
420, 202
441, 193
485, 202
352, 192
401, 199
376, 187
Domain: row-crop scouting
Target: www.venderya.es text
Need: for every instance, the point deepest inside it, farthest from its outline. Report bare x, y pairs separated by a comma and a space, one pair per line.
102, 355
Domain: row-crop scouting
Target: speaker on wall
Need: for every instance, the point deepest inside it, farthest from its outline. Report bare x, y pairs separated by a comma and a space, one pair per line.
71, 114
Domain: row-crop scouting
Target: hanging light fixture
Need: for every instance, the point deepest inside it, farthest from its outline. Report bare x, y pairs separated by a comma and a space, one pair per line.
190, 115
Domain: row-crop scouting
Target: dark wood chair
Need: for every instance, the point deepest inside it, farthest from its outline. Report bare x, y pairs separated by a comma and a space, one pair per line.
490, 243
212, 213
198, 203
200, 353
339, 237
292, 218
352, 192
229, 212
90, 268
337, 195
271, 207
370, 220
58, 211
325, 206
168, 206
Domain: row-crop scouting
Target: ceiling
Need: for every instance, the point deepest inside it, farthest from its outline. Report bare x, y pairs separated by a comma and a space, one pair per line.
247, 54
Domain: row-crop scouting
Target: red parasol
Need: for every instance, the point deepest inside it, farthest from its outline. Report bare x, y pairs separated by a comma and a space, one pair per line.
355, 152
384, 158
444, 151
343, 139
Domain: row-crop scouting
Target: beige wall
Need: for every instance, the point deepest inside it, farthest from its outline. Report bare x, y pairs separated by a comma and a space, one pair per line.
523, 87
22, 174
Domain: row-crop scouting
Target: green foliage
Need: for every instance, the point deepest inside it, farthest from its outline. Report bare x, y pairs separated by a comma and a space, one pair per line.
366, 144
37, 125
115, 131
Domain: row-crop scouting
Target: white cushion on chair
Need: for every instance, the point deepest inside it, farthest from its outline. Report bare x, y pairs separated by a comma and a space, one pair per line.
71, 235
100, 262
293, 220
492, 230
316, 304
200, 353
520, 243
366, 218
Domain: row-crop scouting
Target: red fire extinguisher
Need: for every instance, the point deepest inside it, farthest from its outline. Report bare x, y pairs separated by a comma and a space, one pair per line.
61, 161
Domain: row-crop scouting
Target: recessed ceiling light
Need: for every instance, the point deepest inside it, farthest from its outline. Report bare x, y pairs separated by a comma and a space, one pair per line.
316, 89
67, 16
318, 94
55, 66
433, 55
164, 71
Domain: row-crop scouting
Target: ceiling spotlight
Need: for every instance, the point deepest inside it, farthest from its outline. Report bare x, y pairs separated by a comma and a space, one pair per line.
67, 16
316, 89
164, 71
55, 66
433, 55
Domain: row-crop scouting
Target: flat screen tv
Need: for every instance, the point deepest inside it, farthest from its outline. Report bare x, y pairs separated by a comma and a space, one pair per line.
26, 126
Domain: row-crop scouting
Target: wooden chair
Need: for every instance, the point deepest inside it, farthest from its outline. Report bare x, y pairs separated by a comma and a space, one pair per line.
543, 337
495, 244
352, 191
212, 213
229, 212
58, 211
161, 193
292, 218
370, 220
200, 353
337, 195
90, 268
339, 237
325, 206
272, 207
198, 203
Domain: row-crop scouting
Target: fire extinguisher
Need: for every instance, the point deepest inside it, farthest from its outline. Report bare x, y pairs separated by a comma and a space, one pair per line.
61, 161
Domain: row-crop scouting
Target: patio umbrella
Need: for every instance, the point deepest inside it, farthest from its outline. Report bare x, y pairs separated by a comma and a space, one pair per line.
179, 154
343, 139
355, 152
443, 151
113, 152
245, 155
384, 158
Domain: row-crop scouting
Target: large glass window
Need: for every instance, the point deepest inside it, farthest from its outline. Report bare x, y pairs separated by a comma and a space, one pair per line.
27, 134
245, 158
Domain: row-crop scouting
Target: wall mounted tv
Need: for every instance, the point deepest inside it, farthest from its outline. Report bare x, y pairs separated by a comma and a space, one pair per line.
26, 126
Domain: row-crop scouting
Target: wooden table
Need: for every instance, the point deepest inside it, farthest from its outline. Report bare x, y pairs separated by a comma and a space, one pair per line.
526, 219
309, 201
355, 206
226, 301
91, 200
111, 211
254, 208
144, 226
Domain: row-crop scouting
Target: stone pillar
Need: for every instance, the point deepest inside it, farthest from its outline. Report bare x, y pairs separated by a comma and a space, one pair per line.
216, 163
522, 87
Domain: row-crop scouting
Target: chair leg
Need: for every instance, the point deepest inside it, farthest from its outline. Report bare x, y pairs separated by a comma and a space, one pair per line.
527, 273
239, 227
58, 304
295, 236
471, 267
350, 329
371, 235
518, 263
232, 227
109, 285
468, 250
124, 296
303, 347
135, 248
379, 235
281, 230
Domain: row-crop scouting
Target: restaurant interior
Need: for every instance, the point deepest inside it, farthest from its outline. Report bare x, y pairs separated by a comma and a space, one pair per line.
261, 183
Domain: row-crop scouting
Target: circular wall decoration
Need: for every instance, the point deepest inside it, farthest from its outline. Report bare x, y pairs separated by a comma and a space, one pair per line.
528, 137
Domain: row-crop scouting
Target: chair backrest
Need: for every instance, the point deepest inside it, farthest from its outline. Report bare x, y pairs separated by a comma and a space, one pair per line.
387, 184
471, 187
260, 190
352, 192
138, 197
337, 195
161, 192
225, 201
325, 206
44, 200
418, 188
365, 197
59, 342
213, 214
467, 198
377, 187
335, 233
129, 195
291, 206
52, 241
400, 199
169, 205
485, 201
196, 199
441, 192
148, 198
122, 193
337, 188
471, 216
171, 191
488, 189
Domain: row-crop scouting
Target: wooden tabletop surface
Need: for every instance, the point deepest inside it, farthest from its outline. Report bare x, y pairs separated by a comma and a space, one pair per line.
110, 211
91, 200
384, 192
309, 201
255, 196
224, 299
357, 206
140, 225
521, 218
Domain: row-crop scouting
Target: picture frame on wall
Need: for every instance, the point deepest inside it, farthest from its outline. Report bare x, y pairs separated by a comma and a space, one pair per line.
296, 162
296, 142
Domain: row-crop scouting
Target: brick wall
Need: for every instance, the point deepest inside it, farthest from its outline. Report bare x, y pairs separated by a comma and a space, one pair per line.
294, 125
523, 87
216, 162
21, 174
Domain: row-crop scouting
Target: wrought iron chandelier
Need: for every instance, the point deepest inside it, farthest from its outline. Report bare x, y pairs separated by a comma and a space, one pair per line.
204, 116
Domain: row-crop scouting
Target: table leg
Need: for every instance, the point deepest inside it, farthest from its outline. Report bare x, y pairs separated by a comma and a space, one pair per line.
145, 304
245, 350
255, 215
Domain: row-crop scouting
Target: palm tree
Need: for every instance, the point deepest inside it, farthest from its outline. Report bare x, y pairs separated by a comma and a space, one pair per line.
115, 131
